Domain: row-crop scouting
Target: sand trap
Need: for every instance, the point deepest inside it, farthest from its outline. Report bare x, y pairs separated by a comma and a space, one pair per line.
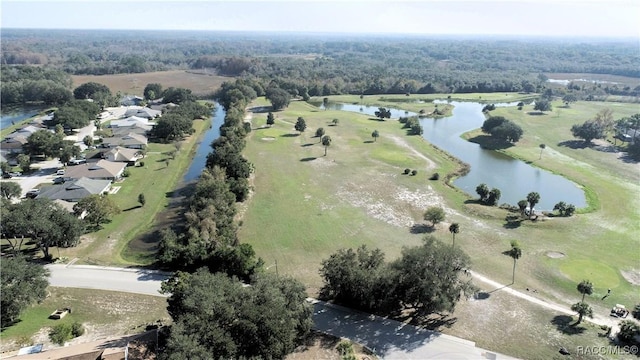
632, 276
555, 255
268, 138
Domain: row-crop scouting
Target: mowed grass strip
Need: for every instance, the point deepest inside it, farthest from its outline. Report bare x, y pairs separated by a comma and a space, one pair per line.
155, 180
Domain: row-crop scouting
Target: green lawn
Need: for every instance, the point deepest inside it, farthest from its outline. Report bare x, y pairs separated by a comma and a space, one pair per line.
306, 206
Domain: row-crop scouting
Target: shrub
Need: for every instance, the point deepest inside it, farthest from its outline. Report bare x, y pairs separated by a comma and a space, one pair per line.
628, 330
407, 171
141, 163
126, 173
60, 333
435, 176
414, 172
636, 311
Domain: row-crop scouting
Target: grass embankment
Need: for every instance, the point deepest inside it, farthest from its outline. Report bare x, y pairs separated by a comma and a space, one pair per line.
155, 180
101, 312
306, 206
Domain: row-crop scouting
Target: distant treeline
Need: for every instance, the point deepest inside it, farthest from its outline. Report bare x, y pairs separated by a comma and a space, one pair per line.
320, 65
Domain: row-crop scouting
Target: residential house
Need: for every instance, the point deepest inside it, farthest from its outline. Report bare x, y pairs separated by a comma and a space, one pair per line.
131, 100
131, 140
103, 169
121, 154
135, 129
12, 143
131, 121
144, 112
74, 191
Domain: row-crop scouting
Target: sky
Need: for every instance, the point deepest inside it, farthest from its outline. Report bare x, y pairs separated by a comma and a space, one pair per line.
558, 18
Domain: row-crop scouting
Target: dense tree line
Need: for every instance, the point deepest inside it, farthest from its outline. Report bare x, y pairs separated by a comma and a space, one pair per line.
425, 279
30, 84
266, 320
334, 64
208, 237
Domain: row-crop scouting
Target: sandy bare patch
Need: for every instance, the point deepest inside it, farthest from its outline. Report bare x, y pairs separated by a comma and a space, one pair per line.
396, 212
632, 276
555, 254
268, 138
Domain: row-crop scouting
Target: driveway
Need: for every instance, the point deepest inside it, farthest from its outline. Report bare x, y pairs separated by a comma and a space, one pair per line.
389, 339
44, 173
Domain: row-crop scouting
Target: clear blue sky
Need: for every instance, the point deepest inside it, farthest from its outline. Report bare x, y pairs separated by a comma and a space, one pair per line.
606, 18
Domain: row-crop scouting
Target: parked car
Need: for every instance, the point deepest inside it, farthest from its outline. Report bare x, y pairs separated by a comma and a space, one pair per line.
59, 180
77, 161
60, 172
6, 176
32, 193
15, 173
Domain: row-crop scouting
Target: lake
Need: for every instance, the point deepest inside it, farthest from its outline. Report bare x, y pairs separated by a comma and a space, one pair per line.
513, 177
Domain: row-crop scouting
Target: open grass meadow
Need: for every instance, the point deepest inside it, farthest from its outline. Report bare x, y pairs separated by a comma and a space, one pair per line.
102, 313
307, 205
200, 83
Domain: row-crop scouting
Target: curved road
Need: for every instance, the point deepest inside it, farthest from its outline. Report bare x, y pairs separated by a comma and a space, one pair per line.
388, 339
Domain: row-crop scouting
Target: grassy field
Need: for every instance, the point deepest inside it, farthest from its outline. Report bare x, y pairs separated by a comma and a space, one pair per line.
103, 313
200, 83
305, 203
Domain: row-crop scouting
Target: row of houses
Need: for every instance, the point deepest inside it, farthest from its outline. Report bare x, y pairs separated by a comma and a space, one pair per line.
129, 127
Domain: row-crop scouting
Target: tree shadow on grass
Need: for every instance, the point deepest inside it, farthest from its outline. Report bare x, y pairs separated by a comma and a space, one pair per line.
132, 208
308, 159
288, 135
421, 229
431, 321
490, 143
566, 325
368, 142
307, 144
575, 144
512, 221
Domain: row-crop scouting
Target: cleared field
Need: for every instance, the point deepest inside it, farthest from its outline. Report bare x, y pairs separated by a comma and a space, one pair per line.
102, 313
306, 206
200, 83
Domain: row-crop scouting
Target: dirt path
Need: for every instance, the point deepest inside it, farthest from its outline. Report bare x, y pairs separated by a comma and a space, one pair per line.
597, 319
402, 143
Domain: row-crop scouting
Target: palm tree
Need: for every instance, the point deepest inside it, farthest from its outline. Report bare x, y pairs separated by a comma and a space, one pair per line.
515, 253
454, 228
326, 141
583, 309
542, 147
320, 133
533, 198
375, 135
585, 288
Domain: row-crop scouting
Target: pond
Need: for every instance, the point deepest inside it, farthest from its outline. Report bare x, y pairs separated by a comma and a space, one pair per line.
16, 115
199, 160
513, 177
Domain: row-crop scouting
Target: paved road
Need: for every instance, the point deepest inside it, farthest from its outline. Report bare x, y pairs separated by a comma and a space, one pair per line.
389, 339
